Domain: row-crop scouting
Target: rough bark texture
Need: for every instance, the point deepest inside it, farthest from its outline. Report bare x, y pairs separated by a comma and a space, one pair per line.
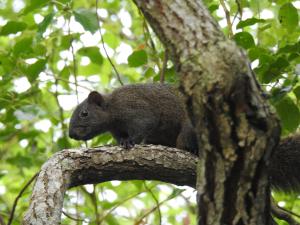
70, 168
236, 128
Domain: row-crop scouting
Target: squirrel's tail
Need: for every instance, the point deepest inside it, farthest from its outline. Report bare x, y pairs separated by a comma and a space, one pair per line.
284, 168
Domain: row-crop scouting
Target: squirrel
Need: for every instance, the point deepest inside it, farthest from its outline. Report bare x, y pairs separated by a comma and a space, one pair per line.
149, 113
155, 114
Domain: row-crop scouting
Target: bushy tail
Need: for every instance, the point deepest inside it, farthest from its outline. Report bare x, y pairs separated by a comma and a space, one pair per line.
284, 168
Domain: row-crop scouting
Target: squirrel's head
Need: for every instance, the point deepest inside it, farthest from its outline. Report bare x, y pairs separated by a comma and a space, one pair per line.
90, 118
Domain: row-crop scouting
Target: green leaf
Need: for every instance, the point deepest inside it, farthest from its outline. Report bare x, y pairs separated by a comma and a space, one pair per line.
213, 8
65, 41
289, 114
149, 73
265, 27
138, 184
137, 58
65, 73
249, 22
288, 16
13, 27
175, 193
35, 4
33, 70
170, 74
297, 92
63, 143
64, 1
111, 40
5, 63
87, 18
40, 50
93, 53
21, 161
28, 134
295, 48
45, 23
2, 173
256, 52
244, 39
111, 220
275, 70
90, 69
24, 46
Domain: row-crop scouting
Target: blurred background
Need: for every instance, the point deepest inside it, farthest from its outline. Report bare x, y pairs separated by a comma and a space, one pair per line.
52, 56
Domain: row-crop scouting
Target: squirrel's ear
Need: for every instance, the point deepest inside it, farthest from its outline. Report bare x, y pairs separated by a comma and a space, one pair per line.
95, 98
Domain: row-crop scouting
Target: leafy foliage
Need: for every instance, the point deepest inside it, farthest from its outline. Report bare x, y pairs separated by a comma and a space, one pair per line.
51, 54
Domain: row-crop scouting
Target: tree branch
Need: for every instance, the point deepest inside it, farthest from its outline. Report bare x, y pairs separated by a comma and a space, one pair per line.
70, 168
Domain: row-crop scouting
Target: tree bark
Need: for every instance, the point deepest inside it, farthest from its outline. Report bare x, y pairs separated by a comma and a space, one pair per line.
236, 128
70, 168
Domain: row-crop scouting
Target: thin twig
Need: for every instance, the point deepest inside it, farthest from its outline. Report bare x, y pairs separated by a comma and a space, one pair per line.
152, 45
58, 3
74, 62
154, 208
235, 16
290, 212
66, 81
149, 212
190, 206
72, 218
75, 71
282, 214
77, 205
18, 197
103, 45
95, 203
164, 67
93, 197
227, 14
240, 9
2, 221
120, 203
155, 199
61, 111
149, 39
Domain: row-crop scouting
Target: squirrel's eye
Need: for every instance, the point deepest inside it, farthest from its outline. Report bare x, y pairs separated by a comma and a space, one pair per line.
84, 113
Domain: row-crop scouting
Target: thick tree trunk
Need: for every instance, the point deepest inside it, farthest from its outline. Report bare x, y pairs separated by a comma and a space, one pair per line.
236, 128
70, 168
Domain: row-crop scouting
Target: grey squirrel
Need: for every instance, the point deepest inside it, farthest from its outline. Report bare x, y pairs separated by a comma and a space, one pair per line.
155, 114
149, 113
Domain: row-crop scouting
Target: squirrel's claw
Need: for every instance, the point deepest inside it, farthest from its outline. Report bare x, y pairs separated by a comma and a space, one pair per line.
126, 143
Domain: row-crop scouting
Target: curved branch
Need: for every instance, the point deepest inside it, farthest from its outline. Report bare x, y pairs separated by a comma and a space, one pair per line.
70, 168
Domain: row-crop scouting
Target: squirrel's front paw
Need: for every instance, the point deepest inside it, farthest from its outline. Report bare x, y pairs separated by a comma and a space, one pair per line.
126, 143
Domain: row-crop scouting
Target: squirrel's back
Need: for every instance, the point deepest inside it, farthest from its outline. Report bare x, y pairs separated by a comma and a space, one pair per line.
154, 109
160, 99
